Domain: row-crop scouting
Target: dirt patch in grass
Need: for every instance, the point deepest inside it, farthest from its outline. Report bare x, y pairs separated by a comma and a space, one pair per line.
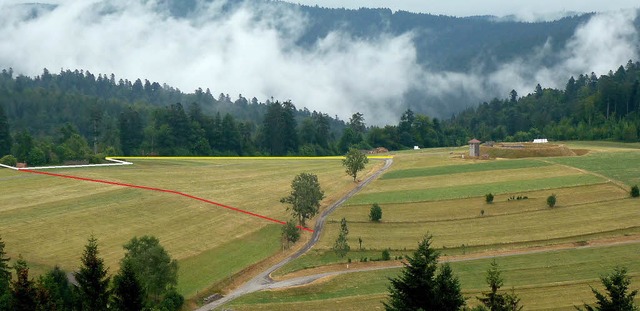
526, 150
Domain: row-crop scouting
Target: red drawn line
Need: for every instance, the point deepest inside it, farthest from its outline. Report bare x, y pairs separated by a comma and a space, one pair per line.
165, 191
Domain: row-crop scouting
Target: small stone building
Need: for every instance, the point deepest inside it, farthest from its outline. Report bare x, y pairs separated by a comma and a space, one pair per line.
474, 148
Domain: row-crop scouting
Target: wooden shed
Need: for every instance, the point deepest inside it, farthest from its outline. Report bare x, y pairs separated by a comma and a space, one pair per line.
474, 148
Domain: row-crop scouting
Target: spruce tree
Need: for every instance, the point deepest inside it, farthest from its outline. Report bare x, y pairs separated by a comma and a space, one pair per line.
418, 287
93, 281
5, 135
23, 290
128, 294
618, 297
5, 278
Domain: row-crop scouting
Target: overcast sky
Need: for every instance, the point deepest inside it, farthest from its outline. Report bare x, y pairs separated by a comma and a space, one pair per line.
485, 7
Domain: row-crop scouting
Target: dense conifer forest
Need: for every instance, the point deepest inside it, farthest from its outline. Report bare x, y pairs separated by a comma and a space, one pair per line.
75, 116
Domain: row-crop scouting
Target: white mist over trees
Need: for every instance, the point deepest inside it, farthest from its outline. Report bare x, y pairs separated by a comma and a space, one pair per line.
252, 49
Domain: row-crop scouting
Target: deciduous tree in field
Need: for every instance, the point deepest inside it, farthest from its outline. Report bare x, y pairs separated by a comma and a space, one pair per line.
354, 162
93, 281
419, 288
305, 197
153, 266
375, 214
551, 200
290, 233
635, 191
618, 297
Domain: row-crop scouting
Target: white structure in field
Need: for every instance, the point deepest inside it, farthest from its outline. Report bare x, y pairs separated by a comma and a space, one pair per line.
540, 141
416, 148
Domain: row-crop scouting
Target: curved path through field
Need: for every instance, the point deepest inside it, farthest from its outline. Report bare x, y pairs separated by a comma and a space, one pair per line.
264, 280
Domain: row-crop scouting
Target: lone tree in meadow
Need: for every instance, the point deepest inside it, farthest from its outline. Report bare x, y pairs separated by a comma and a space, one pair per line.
341, 246
418, 287
635, 192
618, 297
354, 162
305, 197
488, 198
375, 214
551, 200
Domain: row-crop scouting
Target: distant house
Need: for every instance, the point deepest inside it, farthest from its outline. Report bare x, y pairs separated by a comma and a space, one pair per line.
474, 148
540, 141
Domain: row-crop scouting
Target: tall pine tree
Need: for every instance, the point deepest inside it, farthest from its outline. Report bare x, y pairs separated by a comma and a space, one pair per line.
5, 278
23, 290
93, 281
5, 135
128, 294
418, 287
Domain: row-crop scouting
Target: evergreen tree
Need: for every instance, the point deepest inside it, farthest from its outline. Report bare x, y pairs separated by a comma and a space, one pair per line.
23, 291
341, 246
54, 291
5, 278
5, 135
618, 297
494, 300
93, 281
418, 287
128, 294
448, 289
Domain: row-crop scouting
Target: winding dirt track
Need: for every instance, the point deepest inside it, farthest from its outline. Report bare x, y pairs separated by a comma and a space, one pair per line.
264, 280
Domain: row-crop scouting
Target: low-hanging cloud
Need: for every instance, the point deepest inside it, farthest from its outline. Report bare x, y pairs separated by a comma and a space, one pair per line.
252, 52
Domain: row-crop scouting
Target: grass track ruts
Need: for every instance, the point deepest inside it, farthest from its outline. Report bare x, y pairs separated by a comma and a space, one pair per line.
162, 190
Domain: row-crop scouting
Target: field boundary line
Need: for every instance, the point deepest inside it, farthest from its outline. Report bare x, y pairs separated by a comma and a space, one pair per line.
161, 190
377, 157
616, 182
117, 163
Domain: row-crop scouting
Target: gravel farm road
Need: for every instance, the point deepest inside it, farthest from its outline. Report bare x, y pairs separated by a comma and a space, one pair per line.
264, 281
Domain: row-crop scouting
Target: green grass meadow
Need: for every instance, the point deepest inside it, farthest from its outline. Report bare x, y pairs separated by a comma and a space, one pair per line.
435, 192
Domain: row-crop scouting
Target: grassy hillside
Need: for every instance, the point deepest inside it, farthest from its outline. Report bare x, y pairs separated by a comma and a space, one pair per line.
430, 191
48, 219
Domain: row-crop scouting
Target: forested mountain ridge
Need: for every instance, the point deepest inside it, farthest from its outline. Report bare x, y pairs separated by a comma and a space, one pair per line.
71, 115
589, 108
327, 59
442, 42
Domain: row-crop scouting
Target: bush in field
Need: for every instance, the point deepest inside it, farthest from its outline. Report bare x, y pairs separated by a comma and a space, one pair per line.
385, 255
376, 213
551, 200
489, 198
635, 192
9, 160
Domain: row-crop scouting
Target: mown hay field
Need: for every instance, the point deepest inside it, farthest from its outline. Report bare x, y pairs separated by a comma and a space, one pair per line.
555, 280
48, 219
439, 193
